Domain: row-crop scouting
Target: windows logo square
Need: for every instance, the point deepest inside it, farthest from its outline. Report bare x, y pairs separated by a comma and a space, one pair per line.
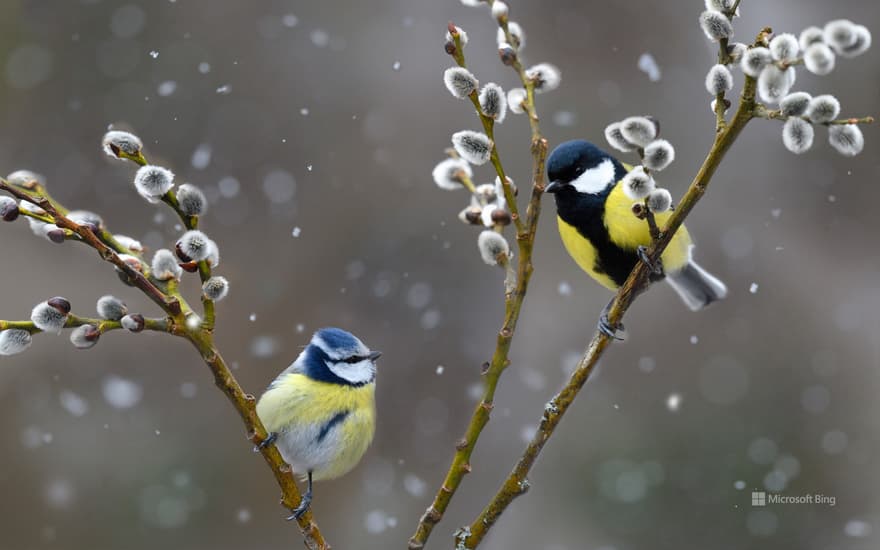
759, 498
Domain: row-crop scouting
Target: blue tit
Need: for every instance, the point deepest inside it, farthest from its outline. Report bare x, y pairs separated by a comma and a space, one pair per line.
320, 412
605, 238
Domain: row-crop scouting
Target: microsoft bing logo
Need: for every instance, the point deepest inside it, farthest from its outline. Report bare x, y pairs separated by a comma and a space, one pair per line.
759, 498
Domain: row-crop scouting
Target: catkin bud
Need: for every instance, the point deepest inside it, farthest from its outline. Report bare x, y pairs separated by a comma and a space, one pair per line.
111, 308
462, 37
736, 51
614, 137
129, 243
51, 315
14, 340
25, 179
191, 200
213, 257
460, 82
840, 34
133, 322
819, 59
719, 80
659, 200
846, 138
774, 83
637, 184
515, 99
120, 145
85, 336
84, 217
638, 130
506, 53
795, 104
152, 182
517, 35
545, 76
719, 5
492, 245
216, 288
195, 245
450, 174
164, 266
471, 215
810, 36
784, 47
823, 108
474, 147
499, 10
754, 61
797, 135
860, 45
493, 102
658, 155
8, 209
716, 25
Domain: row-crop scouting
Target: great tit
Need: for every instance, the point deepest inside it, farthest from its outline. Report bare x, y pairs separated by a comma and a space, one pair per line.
320, 412
601, 233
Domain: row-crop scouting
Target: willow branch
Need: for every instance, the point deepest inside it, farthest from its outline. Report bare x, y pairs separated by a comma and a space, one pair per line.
104, 325
512, 306
517, 482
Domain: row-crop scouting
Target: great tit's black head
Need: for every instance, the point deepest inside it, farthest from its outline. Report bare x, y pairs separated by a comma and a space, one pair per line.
580, 167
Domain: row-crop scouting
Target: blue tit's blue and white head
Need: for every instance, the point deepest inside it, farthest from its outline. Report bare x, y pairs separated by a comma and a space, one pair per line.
576, 168
337, 356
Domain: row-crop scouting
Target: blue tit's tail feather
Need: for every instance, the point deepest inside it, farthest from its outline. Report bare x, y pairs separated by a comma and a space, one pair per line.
696, 286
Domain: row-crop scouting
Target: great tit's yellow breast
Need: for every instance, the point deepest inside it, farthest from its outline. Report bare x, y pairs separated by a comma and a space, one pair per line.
323, 427
629, 232
583, 252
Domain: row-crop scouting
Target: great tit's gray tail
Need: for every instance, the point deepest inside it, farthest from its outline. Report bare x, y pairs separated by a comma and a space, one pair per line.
696, 286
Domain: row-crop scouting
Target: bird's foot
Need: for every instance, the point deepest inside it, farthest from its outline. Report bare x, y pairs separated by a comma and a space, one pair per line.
655, 267
605, 326
303, 507
270, 439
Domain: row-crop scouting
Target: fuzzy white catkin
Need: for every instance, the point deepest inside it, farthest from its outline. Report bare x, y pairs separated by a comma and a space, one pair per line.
637, 184
14, 340
819, 59
84, 217
546, 76
126, 142
716, 25
614, 137
499, 9
810, 36
840, 34
754, 61
775, 83
132, 244
133, 323
638, 130
213, 257
659, 200
516, 33
85, 336
48, 318
658, 155
736, 51
111, 308
449, 172
152, 182
718, 80
823, 108
460, 82
462, 36
860, 45
797, 135
216, 288
784, 47
195, 244
474, 147
515, 99
492, 245
25, 178
493, 102
191, 200
846, 138
795, 104
164, 266
719, 5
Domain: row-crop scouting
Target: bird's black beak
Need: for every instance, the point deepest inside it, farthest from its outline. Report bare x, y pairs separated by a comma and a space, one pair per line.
374, 355
553, 187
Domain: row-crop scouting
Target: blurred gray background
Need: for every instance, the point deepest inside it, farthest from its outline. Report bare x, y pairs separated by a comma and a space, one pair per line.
314, 127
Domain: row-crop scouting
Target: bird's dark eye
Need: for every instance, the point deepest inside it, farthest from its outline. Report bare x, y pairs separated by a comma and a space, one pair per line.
354, 359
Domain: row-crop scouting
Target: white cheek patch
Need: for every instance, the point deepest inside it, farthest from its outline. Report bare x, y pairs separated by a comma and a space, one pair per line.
595, 180
356, 373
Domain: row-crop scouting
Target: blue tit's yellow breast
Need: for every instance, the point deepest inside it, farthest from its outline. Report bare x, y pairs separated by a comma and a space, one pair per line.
297, 399
629, 232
